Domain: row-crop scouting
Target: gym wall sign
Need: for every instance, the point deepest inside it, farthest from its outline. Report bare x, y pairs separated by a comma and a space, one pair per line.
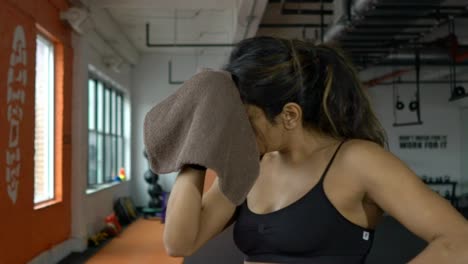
16, 84
423, 142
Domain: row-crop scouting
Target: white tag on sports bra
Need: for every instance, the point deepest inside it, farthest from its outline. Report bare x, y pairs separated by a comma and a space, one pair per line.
365, 235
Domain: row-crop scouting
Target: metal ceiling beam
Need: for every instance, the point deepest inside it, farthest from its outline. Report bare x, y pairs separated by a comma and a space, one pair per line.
359, 44
371, 38
355, 10
368, 52
393, 26
422, 82
306, 25
386, 33
409, 62
413, 16
413, 6
359, 49
300, 1
313, 12
367, 14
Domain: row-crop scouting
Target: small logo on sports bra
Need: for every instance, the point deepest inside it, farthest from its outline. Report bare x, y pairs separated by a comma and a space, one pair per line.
365, 235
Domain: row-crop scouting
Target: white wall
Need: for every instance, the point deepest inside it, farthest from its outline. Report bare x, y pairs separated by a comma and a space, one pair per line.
88, 211
150, 86
464, 134
464, 150
439, 117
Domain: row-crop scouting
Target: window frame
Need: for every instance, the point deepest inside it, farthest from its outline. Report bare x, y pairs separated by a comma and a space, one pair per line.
106, 135
50, 133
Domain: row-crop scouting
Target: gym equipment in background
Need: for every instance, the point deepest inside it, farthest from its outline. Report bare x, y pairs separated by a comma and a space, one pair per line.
414, 104
157, 203
399, 104
125, 210
154, 189
113, 225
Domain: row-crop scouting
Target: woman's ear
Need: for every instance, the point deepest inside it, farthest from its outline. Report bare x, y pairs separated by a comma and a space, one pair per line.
291, 116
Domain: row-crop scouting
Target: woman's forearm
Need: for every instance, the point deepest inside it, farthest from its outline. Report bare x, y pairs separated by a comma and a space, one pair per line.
183, 212
451, 249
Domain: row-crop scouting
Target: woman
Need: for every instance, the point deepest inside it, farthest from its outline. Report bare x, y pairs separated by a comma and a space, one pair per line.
325, 177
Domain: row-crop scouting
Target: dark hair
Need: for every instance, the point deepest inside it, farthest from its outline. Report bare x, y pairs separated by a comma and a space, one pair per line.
271, 72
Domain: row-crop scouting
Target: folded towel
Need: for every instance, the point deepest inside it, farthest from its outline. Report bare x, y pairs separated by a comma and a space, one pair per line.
205, 123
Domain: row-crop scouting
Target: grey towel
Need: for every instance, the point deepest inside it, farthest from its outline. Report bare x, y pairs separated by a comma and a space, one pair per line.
205, 123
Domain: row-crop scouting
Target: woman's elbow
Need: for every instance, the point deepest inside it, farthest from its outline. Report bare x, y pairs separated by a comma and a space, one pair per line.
178, 252
177, 248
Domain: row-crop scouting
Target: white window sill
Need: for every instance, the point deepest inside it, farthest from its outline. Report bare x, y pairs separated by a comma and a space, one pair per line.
102, 187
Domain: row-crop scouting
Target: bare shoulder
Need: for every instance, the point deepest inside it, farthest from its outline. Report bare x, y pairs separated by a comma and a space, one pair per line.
378, 170
368, 161
363, 147
358, 153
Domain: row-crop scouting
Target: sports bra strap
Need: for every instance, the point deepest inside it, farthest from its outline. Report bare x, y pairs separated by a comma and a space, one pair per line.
331, 161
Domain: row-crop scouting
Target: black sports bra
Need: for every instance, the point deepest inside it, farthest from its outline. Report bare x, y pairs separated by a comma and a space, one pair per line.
311, 230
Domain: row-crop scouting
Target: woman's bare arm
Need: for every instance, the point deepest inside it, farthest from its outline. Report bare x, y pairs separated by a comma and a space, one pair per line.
399, 192
192, 217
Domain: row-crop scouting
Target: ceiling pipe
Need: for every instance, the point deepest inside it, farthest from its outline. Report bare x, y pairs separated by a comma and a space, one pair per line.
300, 1
297, 25
386, 77
459, 58
313, 12
355, 11
250, 18
421, 82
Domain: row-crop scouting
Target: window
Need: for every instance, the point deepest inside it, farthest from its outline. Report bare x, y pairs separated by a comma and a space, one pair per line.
106, 132
44, 176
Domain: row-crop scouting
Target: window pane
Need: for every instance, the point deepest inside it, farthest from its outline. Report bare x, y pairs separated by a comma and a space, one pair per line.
122, 119
115, 163
100, 159
120, 152
92, 159
119, 114
91, 104
113, 113
100, 107
44, 122
107, 111
108, 159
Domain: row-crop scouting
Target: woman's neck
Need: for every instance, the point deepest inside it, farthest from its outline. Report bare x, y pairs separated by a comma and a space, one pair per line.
304, 143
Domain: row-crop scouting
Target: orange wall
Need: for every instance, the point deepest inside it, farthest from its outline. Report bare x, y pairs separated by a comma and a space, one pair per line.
24, 231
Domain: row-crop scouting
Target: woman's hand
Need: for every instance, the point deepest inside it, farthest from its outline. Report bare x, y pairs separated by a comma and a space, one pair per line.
448, 248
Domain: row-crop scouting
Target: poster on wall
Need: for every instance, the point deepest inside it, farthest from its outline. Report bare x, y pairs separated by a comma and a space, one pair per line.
17, 68
431, 142
16, 85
